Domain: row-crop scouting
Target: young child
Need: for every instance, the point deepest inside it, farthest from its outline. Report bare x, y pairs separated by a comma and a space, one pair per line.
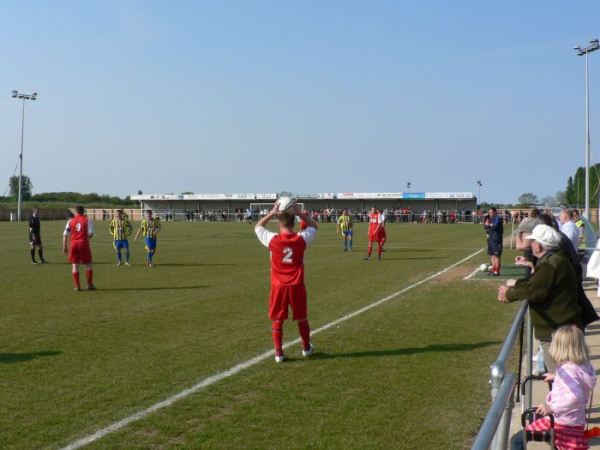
572, 384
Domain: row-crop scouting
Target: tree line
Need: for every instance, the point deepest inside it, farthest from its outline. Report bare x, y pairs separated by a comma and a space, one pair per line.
62, 197
574, 194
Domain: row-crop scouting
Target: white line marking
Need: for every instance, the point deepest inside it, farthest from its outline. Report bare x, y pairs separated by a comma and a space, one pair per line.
81, 442
471, 275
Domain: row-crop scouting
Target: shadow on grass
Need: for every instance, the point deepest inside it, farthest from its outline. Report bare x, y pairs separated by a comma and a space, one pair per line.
140, 264
7, 358
159, 288
195, 264
412, 258
407, 250
435, 348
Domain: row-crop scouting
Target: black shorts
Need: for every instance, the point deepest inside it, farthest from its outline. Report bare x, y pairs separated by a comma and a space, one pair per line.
494, 248
35, 239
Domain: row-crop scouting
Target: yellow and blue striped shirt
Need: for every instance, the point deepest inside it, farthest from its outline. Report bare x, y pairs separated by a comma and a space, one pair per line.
345, 223
150, 227
120, 229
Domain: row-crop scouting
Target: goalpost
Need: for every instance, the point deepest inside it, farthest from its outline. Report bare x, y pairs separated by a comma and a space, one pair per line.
260, 210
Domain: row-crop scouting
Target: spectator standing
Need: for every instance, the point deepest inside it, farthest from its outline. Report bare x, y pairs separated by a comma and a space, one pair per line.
568, 227
551, 290
579, 223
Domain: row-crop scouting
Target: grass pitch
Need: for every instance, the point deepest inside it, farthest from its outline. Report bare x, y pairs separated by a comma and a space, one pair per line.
411, 373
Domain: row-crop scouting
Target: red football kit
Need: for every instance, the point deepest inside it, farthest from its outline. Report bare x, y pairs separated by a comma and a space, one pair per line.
373, 226
376, 233
79, 249
303, 224
382, 234
79, 229
287, 280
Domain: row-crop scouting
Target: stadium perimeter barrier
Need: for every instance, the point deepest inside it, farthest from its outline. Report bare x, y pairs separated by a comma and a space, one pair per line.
214, 215
494, 433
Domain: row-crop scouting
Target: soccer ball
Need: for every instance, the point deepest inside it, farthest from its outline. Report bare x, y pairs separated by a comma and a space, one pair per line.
286, 204
483, 268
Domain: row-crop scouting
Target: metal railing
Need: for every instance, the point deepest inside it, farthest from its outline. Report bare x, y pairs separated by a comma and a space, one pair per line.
496, 414
239, 215
495, 430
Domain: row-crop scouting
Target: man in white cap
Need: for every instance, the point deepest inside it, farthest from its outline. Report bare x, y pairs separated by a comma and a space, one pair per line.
551, 290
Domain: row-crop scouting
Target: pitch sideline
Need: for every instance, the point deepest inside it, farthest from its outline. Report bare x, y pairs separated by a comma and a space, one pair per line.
116, 426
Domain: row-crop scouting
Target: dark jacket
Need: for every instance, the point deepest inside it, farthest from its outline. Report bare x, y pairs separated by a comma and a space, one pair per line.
588, 312
495, 230
552, 294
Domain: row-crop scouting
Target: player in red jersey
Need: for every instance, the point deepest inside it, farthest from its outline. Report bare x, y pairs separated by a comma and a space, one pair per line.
303, 223
80, 230
287, 274
382, 233
374, 233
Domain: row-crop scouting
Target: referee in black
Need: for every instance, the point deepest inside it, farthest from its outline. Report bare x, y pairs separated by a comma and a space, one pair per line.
35, 238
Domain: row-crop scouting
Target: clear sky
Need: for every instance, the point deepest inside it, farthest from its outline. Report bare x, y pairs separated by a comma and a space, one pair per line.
305, 96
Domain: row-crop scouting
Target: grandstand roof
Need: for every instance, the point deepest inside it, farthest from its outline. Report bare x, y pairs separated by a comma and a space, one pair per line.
326, 195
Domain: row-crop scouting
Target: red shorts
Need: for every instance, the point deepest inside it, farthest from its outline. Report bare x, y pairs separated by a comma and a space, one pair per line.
382, 234
80, 253
376, 237
284, 296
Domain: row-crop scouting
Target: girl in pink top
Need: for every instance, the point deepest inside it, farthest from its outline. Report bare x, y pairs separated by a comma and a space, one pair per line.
573, 382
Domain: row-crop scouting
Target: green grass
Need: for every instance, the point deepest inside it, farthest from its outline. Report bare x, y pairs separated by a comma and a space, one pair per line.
411, 373
508, 271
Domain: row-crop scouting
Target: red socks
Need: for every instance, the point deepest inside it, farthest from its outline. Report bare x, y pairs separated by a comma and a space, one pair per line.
76, 280
370, 249
379, 249
304, 330
277, 333
89, 275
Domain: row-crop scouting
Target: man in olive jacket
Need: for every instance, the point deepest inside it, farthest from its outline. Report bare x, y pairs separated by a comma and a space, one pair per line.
551, 290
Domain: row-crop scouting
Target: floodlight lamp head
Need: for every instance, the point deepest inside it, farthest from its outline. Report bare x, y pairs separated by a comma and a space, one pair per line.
14, 94
34, 96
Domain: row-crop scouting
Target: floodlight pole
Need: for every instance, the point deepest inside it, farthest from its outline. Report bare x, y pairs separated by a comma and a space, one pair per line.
23, 97
21, 163
587, 137
585, 51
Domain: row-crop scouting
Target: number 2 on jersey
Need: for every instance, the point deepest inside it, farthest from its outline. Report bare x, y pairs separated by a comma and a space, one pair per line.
287, 255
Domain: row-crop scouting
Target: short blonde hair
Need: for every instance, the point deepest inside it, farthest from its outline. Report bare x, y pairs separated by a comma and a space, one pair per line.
568, 345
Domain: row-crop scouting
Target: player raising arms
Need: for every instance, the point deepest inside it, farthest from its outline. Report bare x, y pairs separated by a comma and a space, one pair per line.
150, 228
287, 274
374, 236
344, 225
79, 230
121, 229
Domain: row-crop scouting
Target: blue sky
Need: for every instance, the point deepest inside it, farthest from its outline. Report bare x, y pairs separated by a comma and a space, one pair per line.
306, 96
